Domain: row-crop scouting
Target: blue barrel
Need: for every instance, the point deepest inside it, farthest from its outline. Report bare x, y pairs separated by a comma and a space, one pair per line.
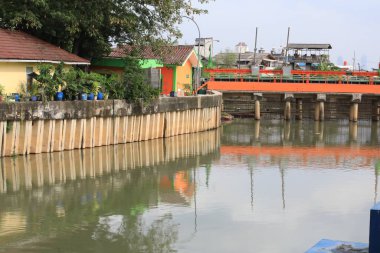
83, 96
33, 98
59, 96
100, 96
90, 96
17, 97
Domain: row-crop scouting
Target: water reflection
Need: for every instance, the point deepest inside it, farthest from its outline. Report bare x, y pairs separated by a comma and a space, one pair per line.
276, 132
257, 182
100, 195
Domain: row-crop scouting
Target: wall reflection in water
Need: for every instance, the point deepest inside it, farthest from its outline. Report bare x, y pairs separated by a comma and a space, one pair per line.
33, 171
99, 194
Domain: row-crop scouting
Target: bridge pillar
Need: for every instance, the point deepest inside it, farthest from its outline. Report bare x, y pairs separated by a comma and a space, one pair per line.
257, 110
319, 114
354, 112
299, 109
288, 106
353, 131
288, 111
257, 130
376, 111
257, 97
354, 109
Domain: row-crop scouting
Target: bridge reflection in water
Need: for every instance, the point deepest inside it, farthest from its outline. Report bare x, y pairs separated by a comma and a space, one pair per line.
169, 194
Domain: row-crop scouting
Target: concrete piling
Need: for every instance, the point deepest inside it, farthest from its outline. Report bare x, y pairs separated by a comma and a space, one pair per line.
84, 124
288, 106
288, 111
257, 110
354, 112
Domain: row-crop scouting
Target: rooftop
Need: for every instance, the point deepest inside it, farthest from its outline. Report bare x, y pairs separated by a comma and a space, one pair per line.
171, 55
17, 46
309, 46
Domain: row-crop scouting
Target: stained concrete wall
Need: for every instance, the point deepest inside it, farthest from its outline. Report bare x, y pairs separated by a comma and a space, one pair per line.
37, 127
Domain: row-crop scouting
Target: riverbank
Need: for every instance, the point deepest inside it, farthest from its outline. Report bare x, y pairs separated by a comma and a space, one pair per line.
38, 127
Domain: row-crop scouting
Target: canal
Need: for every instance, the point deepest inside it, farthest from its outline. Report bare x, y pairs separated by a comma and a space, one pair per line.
266, 187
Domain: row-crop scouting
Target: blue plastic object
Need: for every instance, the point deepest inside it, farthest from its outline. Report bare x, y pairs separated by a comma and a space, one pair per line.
59, 96
90, 96
374, 229
100, 96
83, 96
17, 97
34, 98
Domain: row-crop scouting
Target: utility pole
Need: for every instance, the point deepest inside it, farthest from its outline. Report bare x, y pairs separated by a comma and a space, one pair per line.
254, 54
197, 77
354, 62
287, 46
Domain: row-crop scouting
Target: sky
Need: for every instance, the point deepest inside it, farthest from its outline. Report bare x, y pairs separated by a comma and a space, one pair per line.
350, 26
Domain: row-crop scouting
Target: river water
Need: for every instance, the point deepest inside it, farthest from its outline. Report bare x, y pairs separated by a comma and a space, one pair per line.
264, 187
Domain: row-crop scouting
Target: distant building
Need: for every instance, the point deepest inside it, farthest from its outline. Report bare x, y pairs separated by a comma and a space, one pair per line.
20, 55
241, 47
308, 56
247, 59
206, 47
171, 71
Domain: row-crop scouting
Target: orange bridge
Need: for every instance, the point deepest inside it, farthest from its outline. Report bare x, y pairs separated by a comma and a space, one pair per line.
298, 81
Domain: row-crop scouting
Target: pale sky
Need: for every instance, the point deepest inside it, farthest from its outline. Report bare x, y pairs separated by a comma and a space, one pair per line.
348, 25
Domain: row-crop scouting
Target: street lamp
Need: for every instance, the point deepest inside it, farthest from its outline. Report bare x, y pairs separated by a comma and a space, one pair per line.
199, 44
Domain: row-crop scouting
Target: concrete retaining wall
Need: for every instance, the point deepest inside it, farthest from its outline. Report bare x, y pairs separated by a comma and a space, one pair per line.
37, 127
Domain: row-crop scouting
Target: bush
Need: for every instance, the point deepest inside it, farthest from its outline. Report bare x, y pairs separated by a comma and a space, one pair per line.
135, 84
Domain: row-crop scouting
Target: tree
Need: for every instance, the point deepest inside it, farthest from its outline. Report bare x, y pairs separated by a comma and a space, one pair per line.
87, 28
227, 59
135, 84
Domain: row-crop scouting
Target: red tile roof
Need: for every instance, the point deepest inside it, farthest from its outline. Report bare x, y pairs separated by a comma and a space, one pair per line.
171, 55
16, 45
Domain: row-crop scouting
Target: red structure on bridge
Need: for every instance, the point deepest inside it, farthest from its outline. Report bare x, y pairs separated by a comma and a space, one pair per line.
297, 81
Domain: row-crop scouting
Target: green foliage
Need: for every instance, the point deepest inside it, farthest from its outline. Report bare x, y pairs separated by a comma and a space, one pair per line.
74, 81
49, 80
188, 89
135, 85
327, 66
87, 28
2, 88
114, 88
227, 59
71, 87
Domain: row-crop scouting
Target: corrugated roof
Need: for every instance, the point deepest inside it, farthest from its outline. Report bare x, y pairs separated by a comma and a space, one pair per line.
20, 46
171, 55
309, 46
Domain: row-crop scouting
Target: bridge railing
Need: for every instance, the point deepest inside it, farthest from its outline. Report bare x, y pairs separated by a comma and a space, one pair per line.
297, 76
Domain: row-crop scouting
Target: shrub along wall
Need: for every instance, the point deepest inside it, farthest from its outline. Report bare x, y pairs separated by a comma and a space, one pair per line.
37, 127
